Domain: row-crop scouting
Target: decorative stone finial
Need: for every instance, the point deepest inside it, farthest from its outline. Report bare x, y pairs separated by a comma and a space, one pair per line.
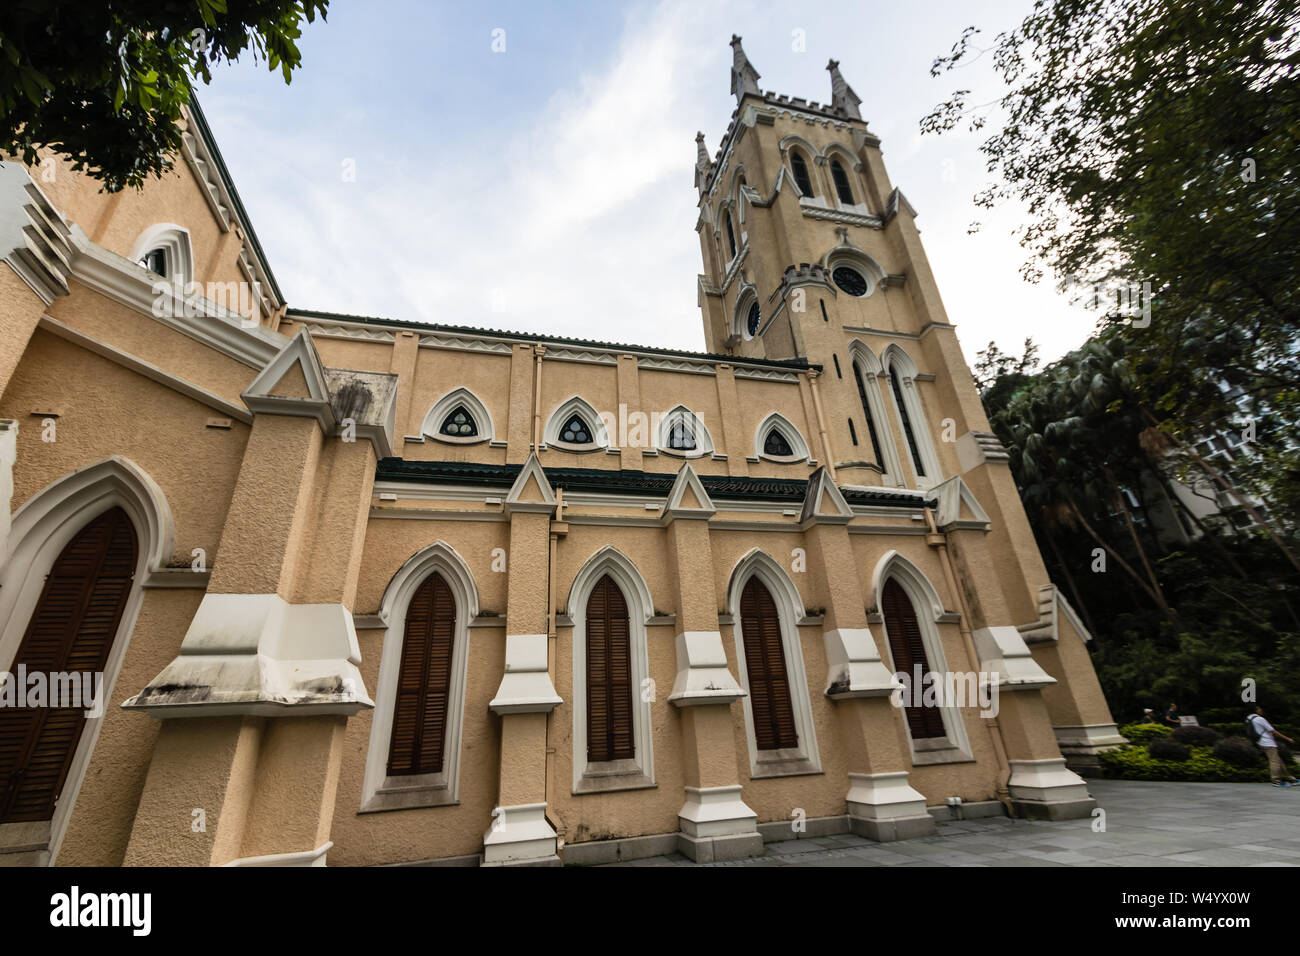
843, 99
703, 165
744, 78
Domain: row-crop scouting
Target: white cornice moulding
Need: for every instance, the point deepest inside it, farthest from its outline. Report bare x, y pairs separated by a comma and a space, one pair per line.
132, 285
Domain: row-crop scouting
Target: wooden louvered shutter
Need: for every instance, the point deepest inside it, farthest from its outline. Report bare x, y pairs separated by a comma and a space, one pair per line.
424, 681
769, 681
609, 675
71, 631
904, 632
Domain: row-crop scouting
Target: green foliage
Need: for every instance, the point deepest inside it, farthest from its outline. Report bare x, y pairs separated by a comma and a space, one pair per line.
104, 83
1134, 763
1197, 736
1158, 141
1239, 752
1144, 733
1169, 749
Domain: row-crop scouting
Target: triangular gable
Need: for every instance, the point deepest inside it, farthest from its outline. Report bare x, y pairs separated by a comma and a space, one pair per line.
823, 501
958, 506
293, 383
688, 498
299, 353
531, 491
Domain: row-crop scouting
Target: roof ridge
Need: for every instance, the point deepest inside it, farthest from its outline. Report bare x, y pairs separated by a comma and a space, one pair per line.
792, 364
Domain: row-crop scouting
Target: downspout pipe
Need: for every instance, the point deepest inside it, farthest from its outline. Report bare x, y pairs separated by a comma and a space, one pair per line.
821, 424
538, 351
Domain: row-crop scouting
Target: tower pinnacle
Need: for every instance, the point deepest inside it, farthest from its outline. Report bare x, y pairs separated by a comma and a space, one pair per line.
842, 96
744, 78
703, 165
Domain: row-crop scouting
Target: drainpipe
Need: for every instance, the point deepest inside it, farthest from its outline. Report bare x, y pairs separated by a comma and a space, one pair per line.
821, 424
552, 639
938, 540
539, 351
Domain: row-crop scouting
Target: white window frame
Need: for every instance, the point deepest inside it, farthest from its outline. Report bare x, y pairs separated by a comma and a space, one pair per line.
638, 772
174, 241
867, 366
41, 529
561, 414
699, 431
746, 297
775, 420
790, 761
852, 167
432, 424
954, 746
898, 363
379, 791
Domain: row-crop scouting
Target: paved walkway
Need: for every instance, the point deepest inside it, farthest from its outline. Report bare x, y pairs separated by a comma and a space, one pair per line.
1147, 824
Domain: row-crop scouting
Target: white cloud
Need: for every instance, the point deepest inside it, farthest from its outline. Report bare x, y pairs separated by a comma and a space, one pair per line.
579, 220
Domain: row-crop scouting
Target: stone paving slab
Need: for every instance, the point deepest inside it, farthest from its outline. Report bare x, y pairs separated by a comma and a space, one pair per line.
1148, 823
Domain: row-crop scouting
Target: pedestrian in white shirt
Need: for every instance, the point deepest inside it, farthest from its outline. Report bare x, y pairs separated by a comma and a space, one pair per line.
1267, 741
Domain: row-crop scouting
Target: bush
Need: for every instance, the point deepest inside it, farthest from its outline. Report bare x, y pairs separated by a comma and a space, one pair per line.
1169, 750
1197, 736
1239, 752
1144, 733
1135, 763
1238, 728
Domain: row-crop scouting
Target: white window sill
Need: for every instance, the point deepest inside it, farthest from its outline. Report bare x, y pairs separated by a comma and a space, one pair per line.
612, 776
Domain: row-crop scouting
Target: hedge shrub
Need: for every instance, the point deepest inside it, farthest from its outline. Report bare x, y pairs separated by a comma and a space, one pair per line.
1166, 749
1144, 733
1135, 763
1197, 736
1239, 752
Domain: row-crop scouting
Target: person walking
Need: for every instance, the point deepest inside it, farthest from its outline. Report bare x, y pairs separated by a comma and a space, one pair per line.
1171, 716
1266, 736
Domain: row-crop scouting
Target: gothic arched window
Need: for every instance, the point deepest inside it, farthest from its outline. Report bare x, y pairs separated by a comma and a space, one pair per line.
575, 431
71, 631
610, 732
680, 437
841, 180
776, 445
871, 419
424, 682
765, 666
906, 421
731, 235
459, 424
801, 177
907, 648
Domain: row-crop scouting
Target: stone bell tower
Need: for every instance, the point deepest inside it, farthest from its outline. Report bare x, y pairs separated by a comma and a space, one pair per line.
810, 252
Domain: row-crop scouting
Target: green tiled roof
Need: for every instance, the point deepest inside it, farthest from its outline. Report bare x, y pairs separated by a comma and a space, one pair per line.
630, 482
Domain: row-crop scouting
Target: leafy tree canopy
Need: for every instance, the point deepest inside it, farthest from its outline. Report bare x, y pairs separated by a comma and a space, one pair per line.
104, 82
1158, 141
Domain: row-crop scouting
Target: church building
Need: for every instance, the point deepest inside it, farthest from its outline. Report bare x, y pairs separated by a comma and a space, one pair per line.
287, 587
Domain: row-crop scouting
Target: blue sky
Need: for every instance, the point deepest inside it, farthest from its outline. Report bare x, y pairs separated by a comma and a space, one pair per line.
548, 187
